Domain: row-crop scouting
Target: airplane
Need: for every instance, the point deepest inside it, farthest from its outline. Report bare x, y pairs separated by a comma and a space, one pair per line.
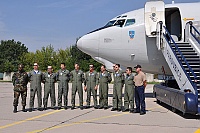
163, 38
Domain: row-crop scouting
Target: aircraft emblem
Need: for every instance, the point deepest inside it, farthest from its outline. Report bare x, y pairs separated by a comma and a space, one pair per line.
132, 34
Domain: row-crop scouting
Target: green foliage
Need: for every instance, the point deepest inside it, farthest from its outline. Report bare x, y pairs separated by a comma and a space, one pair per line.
48, 56
10, 54
83, 59
14, 53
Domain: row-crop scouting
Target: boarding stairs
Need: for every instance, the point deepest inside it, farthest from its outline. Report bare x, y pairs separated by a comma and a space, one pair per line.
182, 57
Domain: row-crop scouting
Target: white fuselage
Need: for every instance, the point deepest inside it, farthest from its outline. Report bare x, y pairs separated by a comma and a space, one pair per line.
114, 44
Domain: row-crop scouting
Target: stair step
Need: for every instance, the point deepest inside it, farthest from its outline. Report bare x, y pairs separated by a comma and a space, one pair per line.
189, 56
198, 76
193, 66
181, 48
196, 80
186, 53
194, 69
186, 50
190, 74
181, 45
192, 59
191, 63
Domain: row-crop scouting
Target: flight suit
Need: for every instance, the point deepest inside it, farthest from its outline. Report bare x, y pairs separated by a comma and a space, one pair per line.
91, 80
104, 79
129, 92
49, 88
20, 81
63, 77
77, 78
117, 89
35, 79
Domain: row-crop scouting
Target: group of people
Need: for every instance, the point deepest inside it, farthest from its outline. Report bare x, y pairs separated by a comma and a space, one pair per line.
134, 87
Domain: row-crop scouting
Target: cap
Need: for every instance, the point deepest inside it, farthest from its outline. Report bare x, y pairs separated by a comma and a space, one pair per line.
49, 67
90, 65
20, 66
138, 66
35, 64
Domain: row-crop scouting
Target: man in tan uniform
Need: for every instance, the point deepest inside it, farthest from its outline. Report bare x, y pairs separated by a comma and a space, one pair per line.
140, 84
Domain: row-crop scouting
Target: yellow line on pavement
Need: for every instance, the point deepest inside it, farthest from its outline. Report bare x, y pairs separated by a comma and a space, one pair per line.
32, 118
84, 121
197, 131
79, 122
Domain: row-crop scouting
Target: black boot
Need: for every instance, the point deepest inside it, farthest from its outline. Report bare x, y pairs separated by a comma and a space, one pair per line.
30, 109
23, 109
15, 109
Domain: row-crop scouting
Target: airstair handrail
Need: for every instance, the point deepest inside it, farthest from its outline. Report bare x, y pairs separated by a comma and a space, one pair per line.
195, 29
182, 57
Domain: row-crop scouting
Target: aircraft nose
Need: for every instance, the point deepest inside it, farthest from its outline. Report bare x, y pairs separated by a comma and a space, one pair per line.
79, 44
89, 44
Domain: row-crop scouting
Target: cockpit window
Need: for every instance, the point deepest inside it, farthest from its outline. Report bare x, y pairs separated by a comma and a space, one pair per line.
130, 22
110, 23
120, 22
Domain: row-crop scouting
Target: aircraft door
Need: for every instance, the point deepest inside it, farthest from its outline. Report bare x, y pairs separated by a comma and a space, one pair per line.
154, 12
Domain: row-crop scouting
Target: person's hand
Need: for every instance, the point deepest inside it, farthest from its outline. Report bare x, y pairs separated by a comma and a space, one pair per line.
96, 87
85, 88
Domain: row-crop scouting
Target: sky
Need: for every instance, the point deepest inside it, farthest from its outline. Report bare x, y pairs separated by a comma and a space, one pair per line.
38, 23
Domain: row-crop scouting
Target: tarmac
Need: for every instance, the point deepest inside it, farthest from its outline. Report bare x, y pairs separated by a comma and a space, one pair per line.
158, 119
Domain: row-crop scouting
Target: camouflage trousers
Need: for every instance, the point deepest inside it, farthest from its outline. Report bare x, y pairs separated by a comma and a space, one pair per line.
16, 97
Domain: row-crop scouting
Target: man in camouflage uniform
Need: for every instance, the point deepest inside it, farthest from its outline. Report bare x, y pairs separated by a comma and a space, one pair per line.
20, 81
104, 79
49, 80
35, 78
129, 91
91, 85
63, 77
117, 88
77, 78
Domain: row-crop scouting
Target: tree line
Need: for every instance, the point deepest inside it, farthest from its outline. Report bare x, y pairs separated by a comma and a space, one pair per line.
13, 53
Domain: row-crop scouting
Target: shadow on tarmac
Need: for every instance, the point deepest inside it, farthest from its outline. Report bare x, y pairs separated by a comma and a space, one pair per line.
186, 116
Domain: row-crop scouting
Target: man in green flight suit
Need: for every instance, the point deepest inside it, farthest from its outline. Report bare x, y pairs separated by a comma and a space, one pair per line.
35, 79
91, 85
63, 77
129, 91
104, 79
77, 78
20, 81
49, 80
117, 88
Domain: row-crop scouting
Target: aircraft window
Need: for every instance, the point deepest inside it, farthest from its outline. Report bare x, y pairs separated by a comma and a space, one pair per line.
124, 16
118, 16
110, 23
130, 22
120, 22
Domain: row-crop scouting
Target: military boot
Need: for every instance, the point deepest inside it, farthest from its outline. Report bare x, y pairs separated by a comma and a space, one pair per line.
23, 109
15, 109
